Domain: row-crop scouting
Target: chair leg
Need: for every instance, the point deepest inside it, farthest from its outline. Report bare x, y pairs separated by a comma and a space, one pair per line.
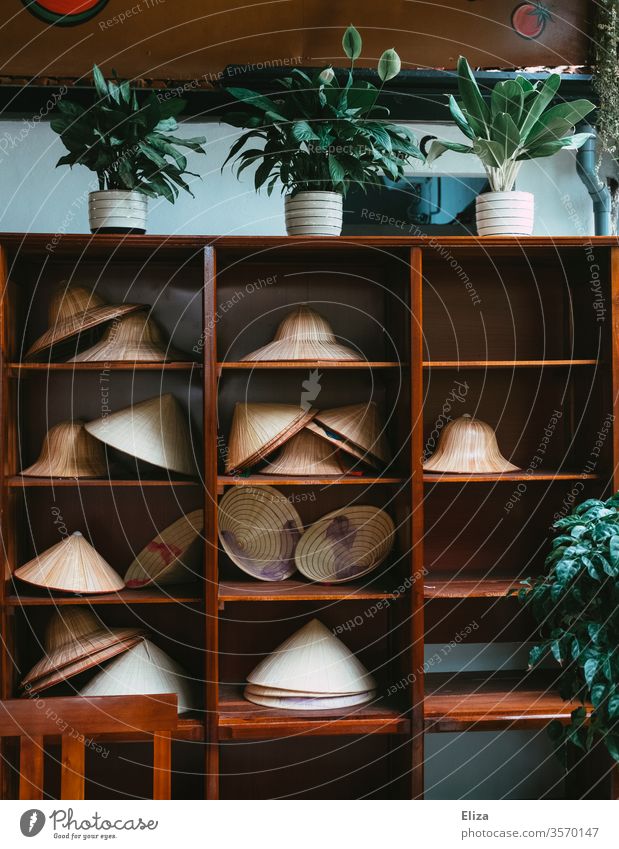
162, 766
72, 770
31, 768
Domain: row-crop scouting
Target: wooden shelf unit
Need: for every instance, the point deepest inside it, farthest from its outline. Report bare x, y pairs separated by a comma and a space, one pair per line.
531, 345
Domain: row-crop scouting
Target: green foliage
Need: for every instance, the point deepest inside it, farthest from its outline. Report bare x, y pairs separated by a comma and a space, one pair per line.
126, 144
576, 605
518, 124
318, 135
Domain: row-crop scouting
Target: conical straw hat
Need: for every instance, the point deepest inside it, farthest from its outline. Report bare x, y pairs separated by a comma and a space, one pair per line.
306, 454
341, 443
143, 670
69, 451
259, 530
155, 431
315, 661
304, 335
360, 426
74, 310
74, 635
71, 566
258, 429
278, 692
309, 702
171, 557
345, 545
132, 338
468, 446
84, 664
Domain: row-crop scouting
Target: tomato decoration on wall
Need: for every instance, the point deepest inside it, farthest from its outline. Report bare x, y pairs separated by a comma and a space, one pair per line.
65, 13
529, 19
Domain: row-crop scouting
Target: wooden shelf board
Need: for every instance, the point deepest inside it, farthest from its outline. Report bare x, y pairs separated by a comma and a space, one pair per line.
270, 480
297, 591
506, 477
311, 364
18, 482
22, 369
483, 364
480, 586
182, 594
492, 701
189, 728
239, 719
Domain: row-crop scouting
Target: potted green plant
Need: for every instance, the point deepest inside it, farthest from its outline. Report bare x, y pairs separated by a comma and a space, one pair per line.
517, 124
576, 604
317, 137
129, 146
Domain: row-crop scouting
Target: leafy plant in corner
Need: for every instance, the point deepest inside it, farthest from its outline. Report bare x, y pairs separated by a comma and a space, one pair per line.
128, 144
576, 605
319, 135
516, 125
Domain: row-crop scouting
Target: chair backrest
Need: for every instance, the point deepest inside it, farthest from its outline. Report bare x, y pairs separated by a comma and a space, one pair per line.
73, 720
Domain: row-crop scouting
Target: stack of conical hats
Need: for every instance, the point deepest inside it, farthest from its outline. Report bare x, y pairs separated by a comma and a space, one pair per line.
303, 335
155, 431
71, 566
69, 451
468, 446
172, 557
132, 338
73, 312
312, 442
75, 641
311, 670
143, 670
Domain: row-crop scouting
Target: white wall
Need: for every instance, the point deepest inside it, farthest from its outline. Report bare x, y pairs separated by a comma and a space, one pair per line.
36, 196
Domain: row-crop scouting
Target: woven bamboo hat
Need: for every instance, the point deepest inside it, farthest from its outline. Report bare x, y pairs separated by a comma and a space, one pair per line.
259, 530
74, 310
172, 557
304, 335
131, 338
469, 446
71, 566
75, 640
143, 670
258, 429
314, 661
154, 430
69, 451
281, 701
306, 454
345, 544
357, 429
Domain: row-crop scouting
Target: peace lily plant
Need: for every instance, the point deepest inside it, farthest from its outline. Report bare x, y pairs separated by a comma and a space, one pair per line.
317, 137
517, 124
131, 148
576, 604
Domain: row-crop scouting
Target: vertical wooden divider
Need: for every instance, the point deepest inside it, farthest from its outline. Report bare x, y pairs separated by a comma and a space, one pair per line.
614, 353
211, 589
417, 529
5, 664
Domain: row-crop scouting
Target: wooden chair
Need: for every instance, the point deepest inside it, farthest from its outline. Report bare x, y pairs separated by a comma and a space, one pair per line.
73, 719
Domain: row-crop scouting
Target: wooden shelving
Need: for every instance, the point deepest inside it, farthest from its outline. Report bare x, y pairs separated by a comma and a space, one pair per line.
492, 701
239, 719
520, 358
298, 591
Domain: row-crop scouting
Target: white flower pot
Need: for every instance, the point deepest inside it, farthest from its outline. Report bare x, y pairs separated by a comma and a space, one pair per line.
115, 211
505, 213
314, 214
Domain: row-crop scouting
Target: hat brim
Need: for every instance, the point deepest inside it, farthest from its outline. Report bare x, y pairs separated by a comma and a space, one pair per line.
65, 330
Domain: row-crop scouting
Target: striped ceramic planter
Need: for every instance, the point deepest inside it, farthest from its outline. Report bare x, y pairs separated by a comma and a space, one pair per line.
314, 214
115, 211
505, 214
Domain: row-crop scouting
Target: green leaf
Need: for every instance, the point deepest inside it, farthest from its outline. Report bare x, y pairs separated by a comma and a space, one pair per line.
458, 115
539, 104
352, 43
470, 93
505, 132
99, 81
389, 65
259, 101
438, 148
302, 132
507, 97
590, 670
